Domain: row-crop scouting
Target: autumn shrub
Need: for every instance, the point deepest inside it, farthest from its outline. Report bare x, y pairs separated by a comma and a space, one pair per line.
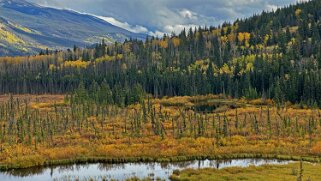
316, 149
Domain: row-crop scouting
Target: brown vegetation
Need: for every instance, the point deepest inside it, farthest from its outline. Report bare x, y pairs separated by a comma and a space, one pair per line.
48, 129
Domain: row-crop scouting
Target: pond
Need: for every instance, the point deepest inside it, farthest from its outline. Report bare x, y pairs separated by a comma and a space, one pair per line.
123, 171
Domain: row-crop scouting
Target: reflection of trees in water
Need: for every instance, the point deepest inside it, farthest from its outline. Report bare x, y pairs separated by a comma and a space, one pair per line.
220, 163
152, 166
235, 162
165, 165
35, 171
246, 162
25, 172
72, 168
183, 164
108, 166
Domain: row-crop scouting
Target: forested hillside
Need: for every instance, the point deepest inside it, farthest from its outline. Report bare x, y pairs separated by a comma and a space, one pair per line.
272, 55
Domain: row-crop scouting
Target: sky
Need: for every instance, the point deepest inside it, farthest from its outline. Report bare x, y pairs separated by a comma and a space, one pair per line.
156, 17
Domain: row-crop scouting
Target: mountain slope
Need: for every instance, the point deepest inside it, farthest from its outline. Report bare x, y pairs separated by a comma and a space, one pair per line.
35, 27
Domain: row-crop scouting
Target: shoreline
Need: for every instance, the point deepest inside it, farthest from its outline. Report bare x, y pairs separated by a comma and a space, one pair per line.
106, 160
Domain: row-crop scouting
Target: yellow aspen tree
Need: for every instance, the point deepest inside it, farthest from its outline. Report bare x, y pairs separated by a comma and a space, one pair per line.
240, 38
163, 43
247, 37
176, 42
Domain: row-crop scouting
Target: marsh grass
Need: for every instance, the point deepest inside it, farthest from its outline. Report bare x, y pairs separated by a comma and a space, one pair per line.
52, 131
266, 173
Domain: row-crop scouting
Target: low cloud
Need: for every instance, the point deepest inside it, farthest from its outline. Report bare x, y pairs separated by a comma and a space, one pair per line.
156, 17
185, 13
124, 25
179, 28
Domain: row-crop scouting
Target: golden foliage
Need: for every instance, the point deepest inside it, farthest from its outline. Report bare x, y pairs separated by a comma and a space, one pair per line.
231, 37
244, 37
225, 69
25, 59
76, 64
216, 32
224, 39
163, 43
108, 58
298, 12
176, 42
240, 37
10, 37
202, 65
119, 56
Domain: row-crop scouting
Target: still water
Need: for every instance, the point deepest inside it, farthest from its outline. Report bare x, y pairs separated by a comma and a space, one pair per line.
123, 171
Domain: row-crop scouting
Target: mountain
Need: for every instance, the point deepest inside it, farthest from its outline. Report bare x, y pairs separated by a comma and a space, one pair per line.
25, 28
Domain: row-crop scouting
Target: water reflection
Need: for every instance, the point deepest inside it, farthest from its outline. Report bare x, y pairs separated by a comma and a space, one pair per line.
122, 171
